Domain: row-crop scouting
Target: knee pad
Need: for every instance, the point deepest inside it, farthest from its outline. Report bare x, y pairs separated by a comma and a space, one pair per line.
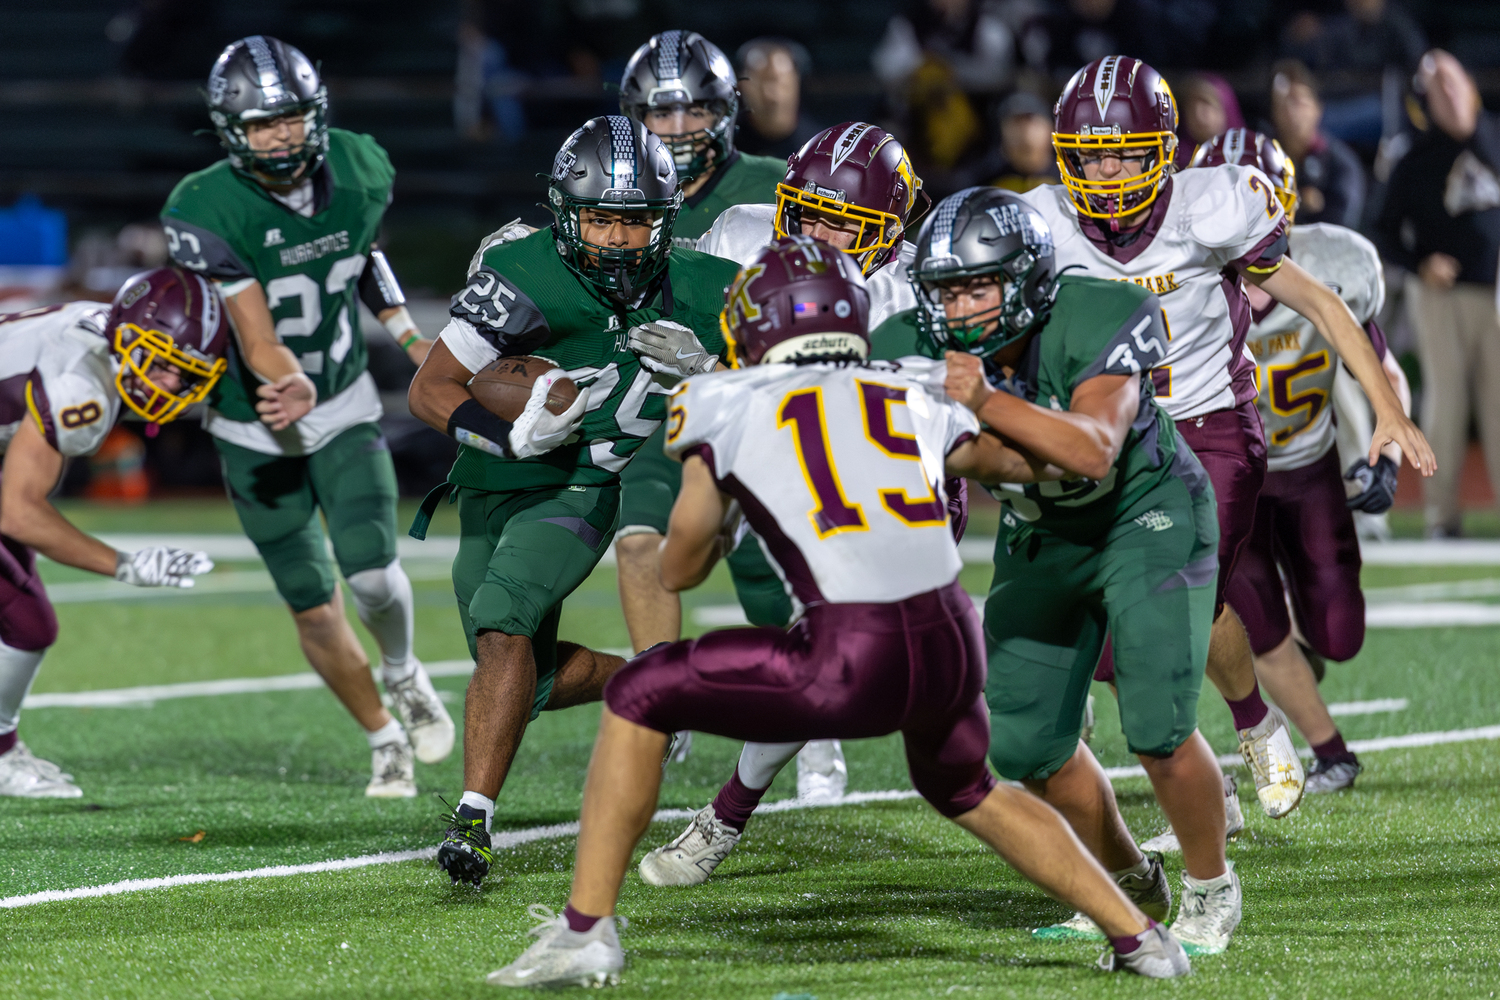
375, 589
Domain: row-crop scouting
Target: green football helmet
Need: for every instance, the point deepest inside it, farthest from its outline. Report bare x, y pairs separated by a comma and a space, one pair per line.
261, 77
614, 164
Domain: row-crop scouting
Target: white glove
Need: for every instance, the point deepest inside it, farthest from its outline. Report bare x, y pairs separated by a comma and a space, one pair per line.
161, 566
537, 430
670, 348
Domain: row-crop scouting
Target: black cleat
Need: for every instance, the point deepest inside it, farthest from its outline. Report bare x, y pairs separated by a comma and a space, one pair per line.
465, 851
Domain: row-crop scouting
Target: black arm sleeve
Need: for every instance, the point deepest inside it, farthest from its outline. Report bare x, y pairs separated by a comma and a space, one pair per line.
378, 287
473, 425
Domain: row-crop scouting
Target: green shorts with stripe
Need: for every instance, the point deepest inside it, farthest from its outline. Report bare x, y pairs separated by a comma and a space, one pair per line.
650, 484
520, 555
278, 498
1149, 584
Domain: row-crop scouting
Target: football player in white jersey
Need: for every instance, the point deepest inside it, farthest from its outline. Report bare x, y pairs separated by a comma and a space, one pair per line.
1191, 238
64, 370
1304, 531
838, 466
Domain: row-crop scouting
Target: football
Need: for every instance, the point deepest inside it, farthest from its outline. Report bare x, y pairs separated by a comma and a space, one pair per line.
504, 386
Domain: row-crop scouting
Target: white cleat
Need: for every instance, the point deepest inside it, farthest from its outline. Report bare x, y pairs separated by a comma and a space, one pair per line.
25, 776
1273, 761
693, 856
822, 774
1234, 822
1209, 913
1160, 956
393, 775
426, 721
1152, 892
563, 957
1325, 777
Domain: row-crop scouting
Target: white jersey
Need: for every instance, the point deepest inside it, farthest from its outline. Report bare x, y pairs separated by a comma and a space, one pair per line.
56, 369
1296, 366
1207, 222
838, 469
742, 231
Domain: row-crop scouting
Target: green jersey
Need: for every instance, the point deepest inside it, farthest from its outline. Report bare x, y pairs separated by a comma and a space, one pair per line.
227, 227
895, 338
522, 299
1097, 327
744, 180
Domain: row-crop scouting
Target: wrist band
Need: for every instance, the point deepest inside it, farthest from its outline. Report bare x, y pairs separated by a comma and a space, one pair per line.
473, 425
411, 339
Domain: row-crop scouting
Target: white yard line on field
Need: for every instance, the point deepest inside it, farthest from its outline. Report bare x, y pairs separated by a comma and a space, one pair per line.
1374, 707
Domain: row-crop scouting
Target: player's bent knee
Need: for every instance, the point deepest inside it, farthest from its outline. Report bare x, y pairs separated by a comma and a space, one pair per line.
639, 547
1023, 760
374, 589
955, 791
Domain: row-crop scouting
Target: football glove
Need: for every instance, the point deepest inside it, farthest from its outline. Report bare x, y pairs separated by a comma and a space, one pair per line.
1377, 485
670, 348
538, 430
161, 566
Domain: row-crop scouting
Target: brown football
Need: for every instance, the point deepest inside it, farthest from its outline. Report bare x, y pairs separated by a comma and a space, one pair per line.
504, 386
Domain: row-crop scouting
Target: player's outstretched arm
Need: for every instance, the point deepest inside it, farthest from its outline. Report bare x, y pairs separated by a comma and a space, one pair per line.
696, 531
1083, 440
288, 395
987, 459
1293, 286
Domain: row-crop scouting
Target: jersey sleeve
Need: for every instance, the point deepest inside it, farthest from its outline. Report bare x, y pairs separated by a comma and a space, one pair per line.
200, 249
1135, 344
700, 421
1242, 219
492, 318
960, 423
739, 233
73, 410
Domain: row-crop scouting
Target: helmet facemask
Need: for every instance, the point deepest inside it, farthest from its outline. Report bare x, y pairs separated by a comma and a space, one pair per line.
140, 351
621, 273
1121, 195
985, 333
878, 232
281, 166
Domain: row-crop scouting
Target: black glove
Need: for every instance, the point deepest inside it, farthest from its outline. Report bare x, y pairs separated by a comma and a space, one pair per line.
1377, 485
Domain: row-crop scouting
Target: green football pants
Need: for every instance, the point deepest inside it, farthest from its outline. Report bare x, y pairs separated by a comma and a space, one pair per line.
520, 555
278, 497
1150, 584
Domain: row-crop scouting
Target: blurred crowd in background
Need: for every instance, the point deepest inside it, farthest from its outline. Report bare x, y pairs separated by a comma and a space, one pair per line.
1379, 103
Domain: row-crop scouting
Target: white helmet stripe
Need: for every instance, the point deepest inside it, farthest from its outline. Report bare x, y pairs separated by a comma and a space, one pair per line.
265, 66
1104, 83
622, 142
668, 51
941, 244
844, 146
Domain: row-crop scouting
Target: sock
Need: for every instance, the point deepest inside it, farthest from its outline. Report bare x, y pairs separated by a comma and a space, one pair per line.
1143, 867
382, 598
1129, 943
1249, 711
735, 802
760, 763
18, 669
8, 741
477, 803
1334, 749
579, 923
387, 734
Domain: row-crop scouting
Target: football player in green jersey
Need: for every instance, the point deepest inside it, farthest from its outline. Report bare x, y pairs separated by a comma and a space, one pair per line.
285, 226
1123, 541
605, 296
681, 87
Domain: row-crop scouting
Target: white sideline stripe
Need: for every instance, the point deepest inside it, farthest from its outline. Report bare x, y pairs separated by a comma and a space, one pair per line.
1358, 746
240, 582
238, 548
514, 838
1459, 552
503, 840
1368, 707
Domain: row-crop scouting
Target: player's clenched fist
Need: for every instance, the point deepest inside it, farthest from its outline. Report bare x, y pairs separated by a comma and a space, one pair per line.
161, 566
671, 349
966, 382
538, 430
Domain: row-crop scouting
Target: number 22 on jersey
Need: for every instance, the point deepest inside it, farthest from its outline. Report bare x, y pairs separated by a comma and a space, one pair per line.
802, 411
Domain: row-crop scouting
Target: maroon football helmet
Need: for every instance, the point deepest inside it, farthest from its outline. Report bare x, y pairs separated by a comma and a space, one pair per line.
1115, 106
799, 300
167, 322
1253, 149
857, 172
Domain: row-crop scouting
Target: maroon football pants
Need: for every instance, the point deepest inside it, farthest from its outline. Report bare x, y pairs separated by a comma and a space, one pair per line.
27, 620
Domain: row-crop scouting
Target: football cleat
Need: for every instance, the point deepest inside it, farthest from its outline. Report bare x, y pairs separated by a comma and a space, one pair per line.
392, 772
427, 722
465, 851
1234, 822
1332, 775
1160, 956
25, 776
1209, 913
1152, 892
693, 856
1273, 761
822, 774
565, 957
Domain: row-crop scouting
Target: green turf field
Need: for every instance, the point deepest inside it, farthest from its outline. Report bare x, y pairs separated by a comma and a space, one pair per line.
1390, 890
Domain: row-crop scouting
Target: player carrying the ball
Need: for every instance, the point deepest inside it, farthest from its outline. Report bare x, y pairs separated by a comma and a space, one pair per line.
605, 297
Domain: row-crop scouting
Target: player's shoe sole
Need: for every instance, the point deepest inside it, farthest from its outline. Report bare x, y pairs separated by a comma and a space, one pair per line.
465, 851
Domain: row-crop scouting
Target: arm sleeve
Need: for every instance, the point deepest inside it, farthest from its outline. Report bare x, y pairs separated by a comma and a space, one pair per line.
697, 413
73, 411
492, 318
378, 288
1255, 239
962, 425
201, 250
1137, 344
